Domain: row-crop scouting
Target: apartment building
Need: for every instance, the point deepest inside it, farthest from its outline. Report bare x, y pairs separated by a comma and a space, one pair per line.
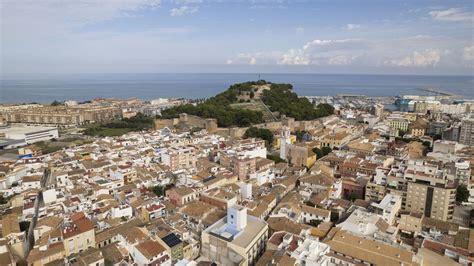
424, 188
466, 135
399, 123
238, 239
78, 235
62, 115
432, 201
351, 249
336, 140
179, 158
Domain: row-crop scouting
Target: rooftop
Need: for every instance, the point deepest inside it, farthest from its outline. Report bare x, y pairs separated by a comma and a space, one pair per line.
242, 238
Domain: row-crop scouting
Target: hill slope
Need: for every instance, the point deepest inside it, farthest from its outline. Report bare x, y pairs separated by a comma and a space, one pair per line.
278, 98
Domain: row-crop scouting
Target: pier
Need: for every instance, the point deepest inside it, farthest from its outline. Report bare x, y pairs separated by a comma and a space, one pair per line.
437, 92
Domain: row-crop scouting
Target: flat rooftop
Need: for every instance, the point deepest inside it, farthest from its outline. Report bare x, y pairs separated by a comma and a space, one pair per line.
242, 238
24, 129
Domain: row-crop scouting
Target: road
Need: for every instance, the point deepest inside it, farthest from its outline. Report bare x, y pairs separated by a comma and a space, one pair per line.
30, 239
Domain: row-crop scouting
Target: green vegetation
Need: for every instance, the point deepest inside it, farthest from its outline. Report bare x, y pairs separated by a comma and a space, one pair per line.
275, 158
159, 190
56, 145
56, 103
48, 147
462, 194
3, 200
280, 98
255, 105
262, 133
352, 197
299, 134
24, 225
320, 153
219, 107
315, 222
119, 127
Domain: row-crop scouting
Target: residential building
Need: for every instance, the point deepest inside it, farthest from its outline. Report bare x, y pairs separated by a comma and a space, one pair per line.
179, 158
466, 135
238, 238
78, 235
388, 208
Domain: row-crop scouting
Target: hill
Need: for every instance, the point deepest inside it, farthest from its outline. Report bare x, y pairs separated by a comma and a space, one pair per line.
253, 102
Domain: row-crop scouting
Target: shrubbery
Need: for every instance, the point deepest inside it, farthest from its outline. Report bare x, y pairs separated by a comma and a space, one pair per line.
280, 98
262, 133
118, 127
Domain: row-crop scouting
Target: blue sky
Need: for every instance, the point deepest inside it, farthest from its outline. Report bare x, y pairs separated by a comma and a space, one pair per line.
116, 36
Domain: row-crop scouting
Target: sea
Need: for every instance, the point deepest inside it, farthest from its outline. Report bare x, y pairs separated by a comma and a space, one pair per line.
81, 87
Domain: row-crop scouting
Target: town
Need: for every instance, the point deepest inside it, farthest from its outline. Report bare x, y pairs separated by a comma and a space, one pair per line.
253, 176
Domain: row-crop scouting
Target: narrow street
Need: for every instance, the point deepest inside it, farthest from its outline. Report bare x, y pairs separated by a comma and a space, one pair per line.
38, 202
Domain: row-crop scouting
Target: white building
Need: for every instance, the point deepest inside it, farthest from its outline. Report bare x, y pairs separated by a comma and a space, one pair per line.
121, 211
388, 207
263, 176
49, 196
311, 252
31, 182
368, 224
238, 239
284, 141
29, 134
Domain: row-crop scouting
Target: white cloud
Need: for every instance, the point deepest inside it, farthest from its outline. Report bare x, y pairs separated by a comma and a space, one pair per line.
428, 57
183, 10
451, 14
185, 2
299, 30
324, 52
73, 12
260, 58
294, 57
352, 26
468, 53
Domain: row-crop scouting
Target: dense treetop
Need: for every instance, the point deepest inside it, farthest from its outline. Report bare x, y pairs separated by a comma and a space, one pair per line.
279, 98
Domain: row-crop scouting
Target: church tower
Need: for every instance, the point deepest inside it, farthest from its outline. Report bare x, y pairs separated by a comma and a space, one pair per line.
284, 141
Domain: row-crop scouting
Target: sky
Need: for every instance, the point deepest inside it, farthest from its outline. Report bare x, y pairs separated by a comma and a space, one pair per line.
198, 36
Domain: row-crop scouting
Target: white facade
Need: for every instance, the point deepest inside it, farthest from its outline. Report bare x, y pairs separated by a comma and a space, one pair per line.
236, 218
336, 190
30, 134
246, 190
49, 196
284, 141
311, 252
121, 211
262, 176
388, 207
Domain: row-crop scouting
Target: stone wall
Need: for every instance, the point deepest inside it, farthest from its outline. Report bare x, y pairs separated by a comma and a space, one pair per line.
210, 124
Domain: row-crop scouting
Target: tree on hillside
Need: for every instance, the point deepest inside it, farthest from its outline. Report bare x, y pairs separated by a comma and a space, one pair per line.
280, 98
320, 153
262, 133
299, 134
462, 194
56, 103
158, 190
326, 150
